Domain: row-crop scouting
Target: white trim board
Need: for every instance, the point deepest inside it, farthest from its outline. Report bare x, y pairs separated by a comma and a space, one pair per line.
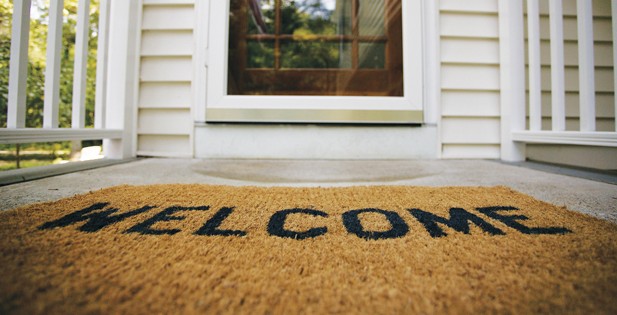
603, 139
211, 50
31, 135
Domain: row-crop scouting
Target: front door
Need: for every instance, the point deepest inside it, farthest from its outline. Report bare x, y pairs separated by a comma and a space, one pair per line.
329, 61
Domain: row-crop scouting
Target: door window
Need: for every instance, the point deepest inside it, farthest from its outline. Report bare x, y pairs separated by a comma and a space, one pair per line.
315, 47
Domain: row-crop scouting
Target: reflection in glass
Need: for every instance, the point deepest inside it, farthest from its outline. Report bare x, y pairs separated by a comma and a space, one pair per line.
315, 47
372, 55
311, 54
261, 16
303, 18
371, 17
260, 54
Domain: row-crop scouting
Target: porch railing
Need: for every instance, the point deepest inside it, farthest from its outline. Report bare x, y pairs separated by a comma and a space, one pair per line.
114, 77
516, 129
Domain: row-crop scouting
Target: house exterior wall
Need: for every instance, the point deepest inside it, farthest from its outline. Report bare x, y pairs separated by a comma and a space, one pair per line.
469, 122
165, 123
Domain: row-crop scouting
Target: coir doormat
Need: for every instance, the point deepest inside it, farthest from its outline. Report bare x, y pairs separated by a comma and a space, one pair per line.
182, 249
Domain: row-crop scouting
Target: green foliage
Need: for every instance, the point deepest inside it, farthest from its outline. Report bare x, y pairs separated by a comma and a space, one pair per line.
310, 54
37, 63
41, 146
33, 154
5, 51
308, 17
25, 163
261, 54
305, 19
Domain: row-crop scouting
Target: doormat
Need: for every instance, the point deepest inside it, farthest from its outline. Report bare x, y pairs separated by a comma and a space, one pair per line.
191, 249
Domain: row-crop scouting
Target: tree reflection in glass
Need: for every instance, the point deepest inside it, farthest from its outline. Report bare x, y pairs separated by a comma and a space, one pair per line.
315, 47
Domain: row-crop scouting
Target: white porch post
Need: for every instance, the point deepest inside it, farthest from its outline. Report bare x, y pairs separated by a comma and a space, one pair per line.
535, 65
558, 87
122, 77
587, 103
81, 65
18, 73
52, 71
512, 72
101, 65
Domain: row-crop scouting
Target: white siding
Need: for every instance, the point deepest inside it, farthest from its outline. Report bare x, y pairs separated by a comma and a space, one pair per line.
167, 43
460, 103
166, 69
165, 95
485, 51
466, 130
477, 6
468, 24
172, 15
470, 126
164, 123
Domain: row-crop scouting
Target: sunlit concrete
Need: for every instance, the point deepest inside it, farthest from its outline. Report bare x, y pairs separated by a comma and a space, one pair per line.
587, 196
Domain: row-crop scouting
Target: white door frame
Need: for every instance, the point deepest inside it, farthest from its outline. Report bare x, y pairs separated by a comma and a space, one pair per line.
211, 103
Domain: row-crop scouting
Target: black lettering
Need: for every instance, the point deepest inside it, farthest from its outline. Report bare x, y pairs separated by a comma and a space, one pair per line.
276, 226
459, 221
511, 221
211, 227
353, 225
145, 227
95, 220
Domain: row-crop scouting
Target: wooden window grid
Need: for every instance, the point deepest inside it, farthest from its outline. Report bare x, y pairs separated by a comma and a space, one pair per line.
357, 80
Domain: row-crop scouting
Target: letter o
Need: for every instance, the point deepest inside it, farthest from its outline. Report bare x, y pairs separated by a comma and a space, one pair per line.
353, 224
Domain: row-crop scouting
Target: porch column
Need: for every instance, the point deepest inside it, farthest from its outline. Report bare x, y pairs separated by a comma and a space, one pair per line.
512, 73
122, 77
18, 73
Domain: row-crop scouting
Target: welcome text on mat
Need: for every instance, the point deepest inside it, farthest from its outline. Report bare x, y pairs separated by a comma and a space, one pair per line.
99, 216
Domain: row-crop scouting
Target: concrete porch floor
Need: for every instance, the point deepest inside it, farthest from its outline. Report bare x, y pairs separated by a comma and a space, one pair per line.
587, 196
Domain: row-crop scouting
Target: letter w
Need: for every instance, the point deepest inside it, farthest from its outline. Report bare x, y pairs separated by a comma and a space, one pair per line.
95, 220
459, 221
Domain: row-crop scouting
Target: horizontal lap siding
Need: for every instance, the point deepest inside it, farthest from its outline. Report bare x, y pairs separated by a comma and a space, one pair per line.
165, 95
166, 69
470, 125
171, 16
167, 43
165, 124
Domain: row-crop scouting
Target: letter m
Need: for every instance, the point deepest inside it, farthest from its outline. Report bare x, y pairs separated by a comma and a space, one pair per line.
459, 221
95, 220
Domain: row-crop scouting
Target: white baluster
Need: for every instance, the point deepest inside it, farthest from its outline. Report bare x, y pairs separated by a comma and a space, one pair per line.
18, 73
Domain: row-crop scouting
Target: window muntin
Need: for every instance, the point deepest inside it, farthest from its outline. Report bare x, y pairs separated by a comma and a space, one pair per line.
315, 47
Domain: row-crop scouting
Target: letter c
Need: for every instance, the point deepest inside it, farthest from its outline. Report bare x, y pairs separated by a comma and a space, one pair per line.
276, 226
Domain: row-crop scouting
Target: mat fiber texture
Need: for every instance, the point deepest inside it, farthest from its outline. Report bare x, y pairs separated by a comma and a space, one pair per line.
184, 249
